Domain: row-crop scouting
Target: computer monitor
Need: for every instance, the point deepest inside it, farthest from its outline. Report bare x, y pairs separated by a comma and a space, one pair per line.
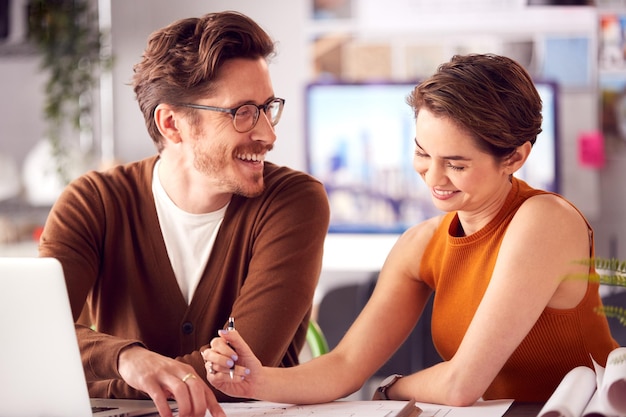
359, 143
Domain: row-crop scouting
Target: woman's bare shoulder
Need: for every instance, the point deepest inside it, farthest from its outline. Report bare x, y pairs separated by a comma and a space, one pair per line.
414, 240
423, 230
551, 211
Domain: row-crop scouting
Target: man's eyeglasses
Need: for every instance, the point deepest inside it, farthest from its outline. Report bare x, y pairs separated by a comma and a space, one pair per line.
246, 116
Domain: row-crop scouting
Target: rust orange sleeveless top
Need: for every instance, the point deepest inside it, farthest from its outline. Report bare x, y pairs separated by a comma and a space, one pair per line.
459, 270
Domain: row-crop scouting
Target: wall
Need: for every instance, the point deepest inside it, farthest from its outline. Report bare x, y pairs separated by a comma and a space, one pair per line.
21, 83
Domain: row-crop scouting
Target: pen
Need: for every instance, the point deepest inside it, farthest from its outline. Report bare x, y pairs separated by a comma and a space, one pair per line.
231, 326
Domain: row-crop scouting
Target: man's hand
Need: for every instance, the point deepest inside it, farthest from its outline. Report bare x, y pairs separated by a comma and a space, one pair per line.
163, 378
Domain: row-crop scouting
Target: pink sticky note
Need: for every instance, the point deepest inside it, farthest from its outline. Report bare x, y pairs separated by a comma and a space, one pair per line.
591, 149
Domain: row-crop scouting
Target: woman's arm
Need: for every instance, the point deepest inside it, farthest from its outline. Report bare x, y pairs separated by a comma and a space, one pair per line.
535, 258
385, 322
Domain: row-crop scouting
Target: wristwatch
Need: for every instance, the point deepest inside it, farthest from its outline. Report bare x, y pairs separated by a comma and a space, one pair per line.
381, 391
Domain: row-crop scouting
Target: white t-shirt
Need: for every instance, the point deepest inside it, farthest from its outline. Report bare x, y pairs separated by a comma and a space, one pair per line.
188, 237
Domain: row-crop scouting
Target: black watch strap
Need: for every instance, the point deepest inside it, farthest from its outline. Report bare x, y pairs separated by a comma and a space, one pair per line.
381, 391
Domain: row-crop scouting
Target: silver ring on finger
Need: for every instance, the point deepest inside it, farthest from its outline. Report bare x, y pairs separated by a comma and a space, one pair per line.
211, 370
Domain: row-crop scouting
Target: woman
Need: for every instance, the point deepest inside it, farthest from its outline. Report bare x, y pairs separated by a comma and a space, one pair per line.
511, 313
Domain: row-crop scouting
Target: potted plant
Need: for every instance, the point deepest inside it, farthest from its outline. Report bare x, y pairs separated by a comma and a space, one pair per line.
67, 35
612, 272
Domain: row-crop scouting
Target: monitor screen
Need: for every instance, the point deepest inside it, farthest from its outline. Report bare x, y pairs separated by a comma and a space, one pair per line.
359, 143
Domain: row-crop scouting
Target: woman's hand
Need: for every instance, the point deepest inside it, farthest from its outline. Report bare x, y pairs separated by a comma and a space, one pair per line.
231, 365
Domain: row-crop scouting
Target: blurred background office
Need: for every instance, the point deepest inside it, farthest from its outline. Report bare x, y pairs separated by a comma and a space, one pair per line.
577, 47
344, 68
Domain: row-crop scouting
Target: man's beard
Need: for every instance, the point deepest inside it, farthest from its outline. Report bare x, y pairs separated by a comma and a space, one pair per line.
215, 163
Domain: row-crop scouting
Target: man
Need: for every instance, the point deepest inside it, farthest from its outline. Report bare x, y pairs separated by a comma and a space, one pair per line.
159, 253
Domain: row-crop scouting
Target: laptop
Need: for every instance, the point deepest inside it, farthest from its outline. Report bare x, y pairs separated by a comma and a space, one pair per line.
41, 373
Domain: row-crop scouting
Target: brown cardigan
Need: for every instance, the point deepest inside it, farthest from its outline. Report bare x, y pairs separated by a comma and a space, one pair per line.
263, 270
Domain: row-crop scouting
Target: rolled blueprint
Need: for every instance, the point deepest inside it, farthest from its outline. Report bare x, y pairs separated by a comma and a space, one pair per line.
572, 395
613, 386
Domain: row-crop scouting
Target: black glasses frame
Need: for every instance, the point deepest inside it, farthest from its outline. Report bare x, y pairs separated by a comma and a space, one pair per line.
233, 111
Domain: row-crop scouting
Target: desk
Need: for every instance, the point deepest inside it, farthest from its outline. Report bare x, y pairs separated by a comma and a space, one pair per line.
523, 410
351, 259
378, 408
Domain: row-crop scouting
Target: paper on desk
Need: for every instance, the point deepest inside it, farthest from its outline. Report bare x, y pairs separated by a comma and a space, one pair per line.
596, 407
491, 408
572, 395
495, 408
612, 382
585, 393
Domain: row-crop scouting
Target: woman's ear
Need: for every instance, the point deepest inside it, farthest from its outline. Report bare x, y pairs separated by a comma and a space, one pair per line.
517, 158
166, 120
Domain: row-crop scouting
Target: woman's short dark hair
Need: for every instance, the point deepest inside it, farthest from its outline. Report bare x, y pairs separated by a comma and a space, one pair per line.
182, 60
490, 96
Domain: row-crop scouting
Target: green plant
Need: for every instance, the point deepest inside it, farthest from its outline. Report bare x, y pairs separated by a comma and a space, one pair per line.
67, 35
611, 272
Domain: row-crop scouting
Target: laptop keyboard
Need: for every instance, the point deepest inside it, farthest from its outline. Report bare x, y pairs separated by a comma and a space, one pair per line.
95, 410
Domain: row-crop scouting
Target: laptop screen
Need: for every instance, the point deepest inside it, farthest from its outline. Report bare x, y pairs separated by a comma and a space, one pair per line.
41, 373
